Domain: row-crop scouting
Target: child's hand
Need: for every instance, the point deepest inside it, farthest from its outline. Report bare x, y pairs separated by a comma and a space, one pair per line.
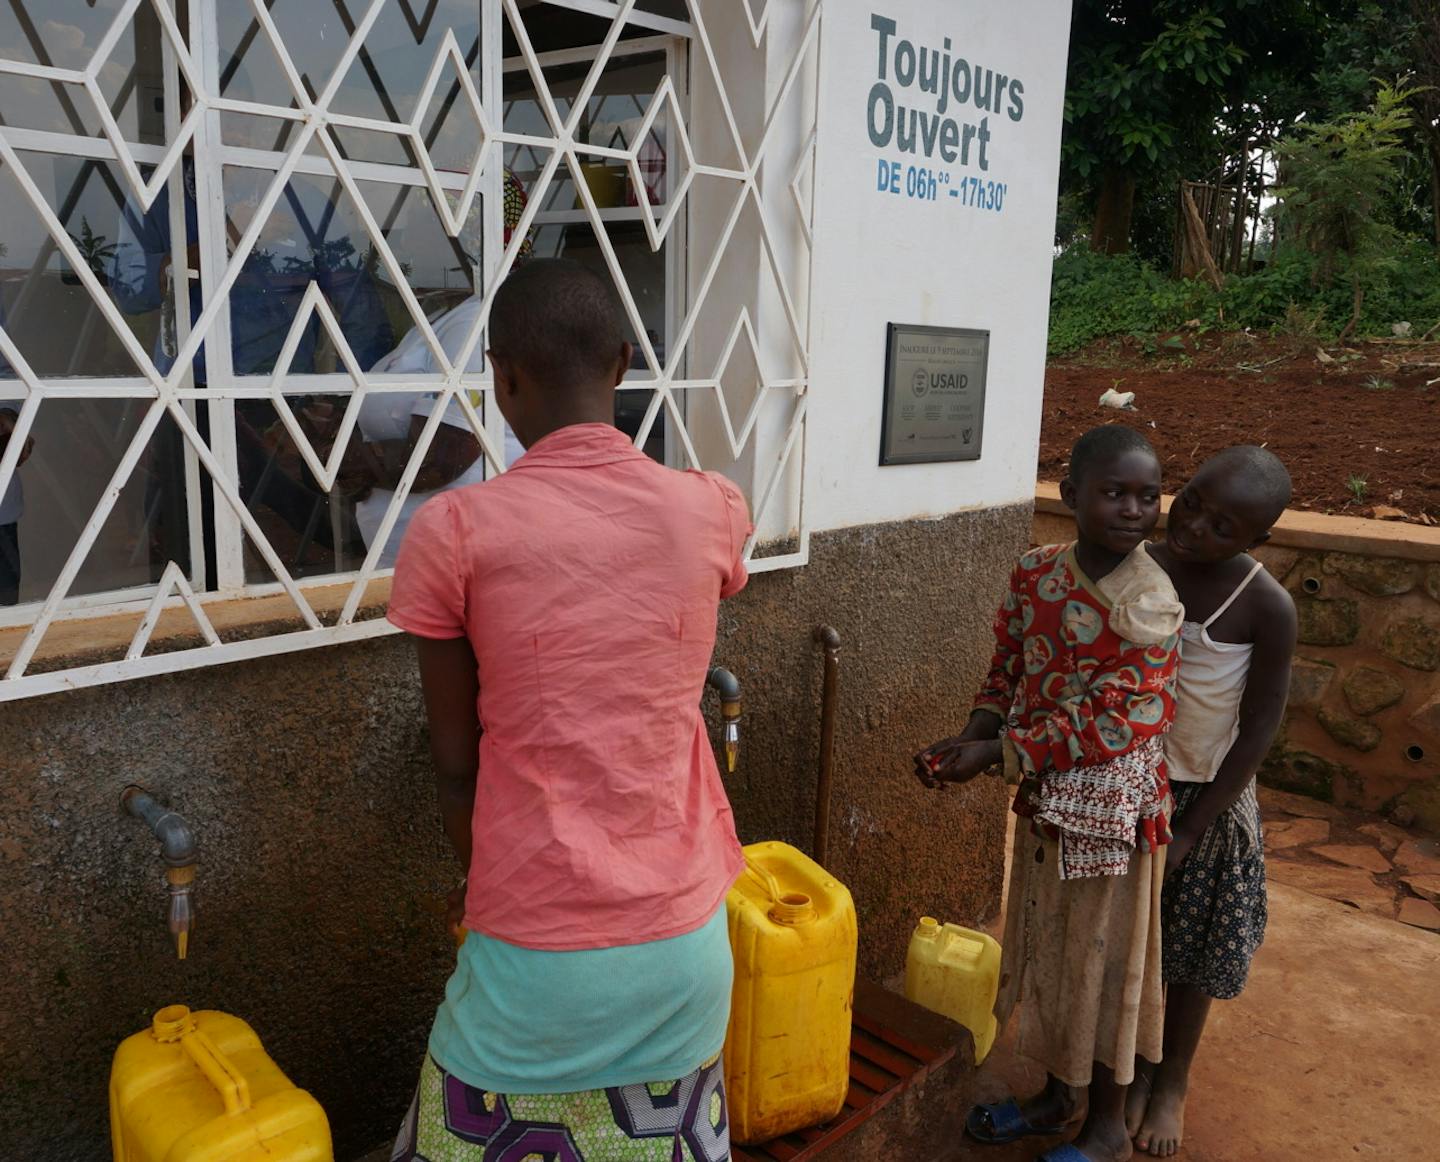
956, 760
1180, 847
455, 909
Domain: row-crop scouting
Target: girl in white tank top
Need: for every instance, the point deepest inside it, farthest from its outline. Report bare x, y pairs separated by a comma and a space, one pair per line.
1211, 684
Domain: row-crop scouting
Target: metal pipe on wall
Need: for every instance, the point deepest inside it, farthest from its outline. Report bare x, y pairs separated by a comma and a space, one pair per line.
829, 639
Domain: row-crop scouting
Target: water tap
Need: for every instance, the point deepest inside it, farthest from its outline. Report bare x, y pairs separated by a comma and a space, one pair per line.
727, 685
177, 848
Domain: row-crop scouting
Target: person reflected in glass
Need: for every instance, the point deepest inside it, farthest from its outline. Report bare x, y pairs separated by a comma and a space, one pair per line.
391, 422
302, 242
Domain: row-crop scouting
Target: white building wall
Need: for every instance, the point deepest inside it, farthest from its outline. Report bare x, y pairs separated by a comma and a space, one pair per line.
883, 257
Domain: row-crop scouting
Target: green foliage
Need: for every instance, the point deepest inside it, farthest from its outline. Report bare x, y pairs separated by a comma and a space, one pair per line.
94, 248
1359, 487
1095, 296
1143, 76
1338, 174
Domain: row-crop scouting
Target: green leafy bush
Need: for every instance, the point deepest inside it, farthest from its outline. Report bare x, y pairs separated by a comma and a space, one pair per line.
1095, 296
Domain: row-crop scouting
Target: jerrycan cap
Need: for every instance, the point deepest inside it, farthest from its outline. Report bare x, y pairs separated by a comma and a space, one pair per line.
929, 927
172, 1023
793, 908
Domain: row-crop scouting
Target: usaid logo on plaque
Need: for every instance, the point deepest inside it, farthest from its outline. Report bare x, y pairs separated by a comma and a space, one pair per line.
926, 381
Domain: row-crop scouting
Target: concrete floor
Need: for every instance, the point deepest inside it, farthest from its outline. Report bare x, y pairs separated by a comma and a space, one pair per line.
1329, 1054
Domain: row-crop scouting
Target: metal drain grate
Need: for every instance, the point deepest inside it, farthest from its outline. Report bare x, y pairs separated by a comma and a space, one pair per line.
891, 1049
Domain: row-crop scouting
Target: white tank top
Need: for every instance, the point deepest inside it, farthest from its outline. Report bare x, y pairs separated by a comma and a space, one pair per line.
1207, 705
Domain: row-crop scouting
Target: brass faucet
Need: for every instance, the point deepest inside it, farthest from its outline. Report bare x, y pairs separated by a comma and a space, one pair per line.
177, 847
727, 685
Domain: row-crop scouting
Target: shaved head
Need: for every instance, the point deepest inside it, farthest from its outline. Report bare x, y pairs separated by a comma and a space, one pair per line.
1258, 473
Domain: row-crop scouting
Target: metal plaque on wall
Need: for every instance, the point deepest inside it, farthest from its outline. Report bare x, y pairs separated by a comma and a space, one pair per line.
934, 394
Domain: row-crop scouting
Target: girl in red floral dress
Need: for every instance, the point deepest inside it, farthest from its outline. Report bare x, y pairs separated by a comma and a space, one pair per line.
1077, 701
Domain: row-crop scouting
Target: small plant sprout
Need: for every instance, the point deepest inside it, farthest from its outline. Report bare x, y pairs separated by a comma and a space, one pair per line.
1379, 383
1359, 487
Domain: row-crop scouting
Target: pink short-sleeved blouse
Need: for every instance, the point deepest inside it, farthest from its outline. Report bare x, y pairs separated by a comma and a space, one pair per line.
587, 579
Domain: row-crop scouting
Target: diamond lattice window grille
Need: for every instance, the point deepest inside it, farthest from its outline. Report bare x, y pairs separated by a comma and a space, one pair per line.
217, 265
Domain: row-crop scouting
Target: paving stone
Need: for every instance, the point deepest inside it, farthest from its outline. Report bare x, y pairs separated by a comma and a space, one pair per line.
1377, 576
1424, 885
1348, 885
1419, 913
1387, 835
1419, 857
1369, 690
1273, 800
1432, 581
1360, 855
1296, 832
1309, 680
1352, 732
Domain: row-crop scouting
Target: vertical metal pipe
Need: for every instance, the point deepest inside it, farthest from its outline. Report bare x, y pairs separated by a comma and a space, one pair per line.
827, 637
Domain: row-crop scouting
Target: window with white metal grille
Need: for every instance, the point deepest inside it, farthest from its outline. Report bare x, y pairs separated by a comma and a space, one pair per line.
246, 254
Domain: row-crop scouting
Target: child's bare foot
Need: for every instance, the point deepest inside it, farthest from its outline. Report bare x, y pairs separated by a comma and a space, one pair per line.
1163, 1127
1137, 1099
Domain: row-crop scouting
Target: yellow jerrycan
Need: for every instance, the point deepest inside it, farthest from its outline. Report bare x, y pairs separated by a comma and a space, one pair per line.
787, 1053
955, 971
199, 1087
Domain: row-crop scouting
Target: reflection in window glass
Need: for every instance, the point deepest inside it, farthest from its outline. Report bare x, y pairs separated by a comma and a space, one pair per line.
383, 83
317, 235
62, 33
44, 306
314, 236
53, 32
77, 445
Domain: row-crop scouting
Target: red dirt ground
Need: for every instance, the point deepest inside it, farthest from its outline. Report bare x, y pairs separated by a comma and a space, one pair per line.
1368, 416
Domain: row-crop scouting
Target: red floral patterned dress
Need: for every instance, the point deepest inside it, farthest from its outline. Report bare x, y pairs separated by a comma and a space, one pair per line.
1087, 706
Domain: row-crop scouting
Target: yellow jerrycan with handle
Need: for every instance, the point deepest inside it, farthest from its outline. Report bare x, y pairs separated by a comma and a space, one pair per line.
787, 1053
955, 971
199, 1087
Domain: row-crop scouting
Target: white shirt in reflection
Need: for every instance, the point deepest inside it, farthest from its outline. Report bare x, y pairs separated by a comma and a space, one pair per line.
387, 415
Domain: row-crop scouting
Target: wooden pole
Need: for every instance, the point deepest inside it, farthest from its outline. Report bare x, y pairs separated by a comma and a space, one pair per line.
1237, 229
1200, 242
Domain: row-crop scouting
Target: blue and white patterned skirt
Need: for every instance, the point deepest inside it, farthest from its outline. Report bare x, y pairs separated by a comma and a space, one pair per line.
1213, 909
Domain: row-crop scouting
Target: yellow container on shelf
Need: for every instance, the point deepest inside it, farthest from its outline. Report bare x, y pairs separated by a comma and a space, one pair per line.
199, 1087
955, 971
787, 1053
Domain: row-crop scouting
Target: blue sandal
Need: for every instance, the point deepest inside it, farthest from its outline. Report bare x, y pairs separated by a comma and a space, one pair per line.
996, 1123
1065, 1153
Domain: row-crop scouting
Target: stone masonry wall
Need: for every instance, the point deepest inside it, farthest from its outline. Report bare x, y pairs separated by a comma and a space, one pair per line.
1363, 725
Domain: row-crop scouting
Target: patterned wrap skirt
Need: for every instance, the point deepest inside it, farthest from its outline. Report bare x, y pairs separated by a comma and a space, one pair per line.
673, 1121
1213, 909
